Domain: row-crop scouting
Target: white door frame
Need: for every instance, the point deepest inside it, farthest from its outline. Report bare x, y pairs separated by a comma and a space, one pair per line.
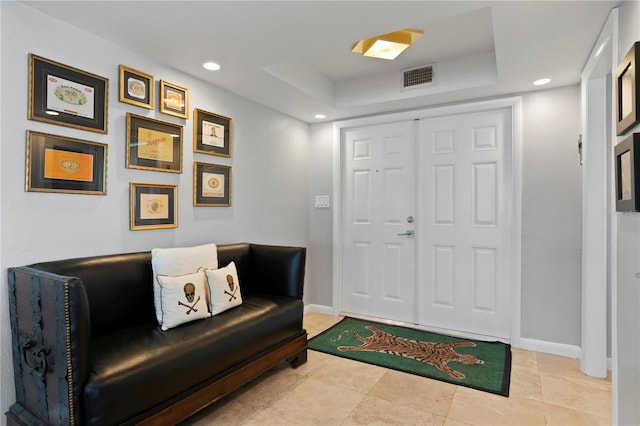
598, 137
515, 103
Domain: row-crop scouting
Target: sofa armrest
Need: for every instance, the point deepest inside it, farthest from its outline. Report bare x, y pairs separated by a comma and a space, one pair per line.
277, 270
50, 328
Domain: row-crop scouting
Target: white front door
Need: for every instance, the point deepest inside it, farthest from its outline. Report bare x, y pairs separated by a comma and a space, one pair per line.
464, 185
379, 257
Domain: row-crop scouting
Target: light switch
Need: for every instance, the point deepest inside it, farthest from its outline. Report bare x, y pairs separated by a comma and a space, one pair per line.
322, 201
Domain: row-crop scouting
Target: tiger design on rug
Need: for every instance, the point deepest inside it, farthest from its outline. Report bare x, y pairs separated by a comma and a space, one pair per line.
437, 355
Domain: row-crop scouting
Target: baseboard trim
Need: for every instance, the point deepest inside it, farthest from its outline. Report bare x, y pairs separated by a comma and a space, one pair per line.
561, 349
318, 309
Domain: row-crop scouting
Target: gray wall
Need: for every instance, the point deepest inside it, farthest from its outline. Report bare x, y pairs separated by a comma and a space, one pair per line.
551, 216
270, 166
320, 261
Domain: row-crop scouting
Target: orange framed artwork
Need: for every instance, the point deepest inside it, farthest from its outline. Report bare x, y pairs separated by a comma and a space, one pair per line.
63, 164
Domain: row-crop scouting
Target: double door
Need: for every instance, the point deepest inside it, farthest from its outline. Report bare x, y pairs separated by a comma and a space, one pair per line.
427, 222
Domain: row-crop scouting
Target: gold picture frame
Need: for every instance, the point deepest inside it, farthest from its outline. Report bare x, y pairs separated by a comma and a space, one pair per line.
153, 206
211, 133
65, 165
627, 174
174, 99
136, 87
153, 144
66, 96
211, 185
628, 91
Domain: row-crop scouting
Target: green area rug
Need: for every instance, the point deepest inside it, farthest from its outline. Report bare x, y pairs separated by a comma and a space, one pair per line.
476, 364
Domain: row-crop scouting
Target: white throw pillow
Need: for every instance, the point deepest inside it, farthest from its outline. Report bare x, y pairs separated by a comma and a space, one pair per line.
224, 288
183, 299
180, 261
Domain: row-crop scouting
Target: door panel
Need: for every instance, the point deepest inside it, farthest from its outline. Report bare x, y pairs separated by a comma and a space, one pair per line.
379, 264
464, 254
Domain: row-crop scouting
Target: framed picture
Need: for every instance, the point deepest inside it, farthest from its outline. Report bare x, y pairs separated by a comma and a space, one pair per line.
136, 87
153, 144
174, 99
211, 133
59, 94
628, 91
153, 206
62, 164
211, 185
627, 166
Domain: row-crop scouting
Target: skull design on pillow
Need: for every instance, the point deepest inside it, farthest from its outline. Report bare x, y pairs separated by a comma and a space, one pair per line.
232, 288
190, 294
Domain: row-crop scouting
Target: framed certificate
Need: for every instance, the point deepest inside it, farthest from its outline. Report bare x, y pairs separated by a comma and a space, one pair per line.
211, 185
211, 133
153, 206
153, 144
62, 164
59, 94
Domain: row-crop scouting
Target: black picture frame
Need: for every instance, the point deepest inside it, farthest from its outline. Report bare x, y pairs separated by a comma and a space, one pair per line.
136, 87
628, 91
65, 165
211, 133
174, 99
627, 174
66, 96
153, 206
211, 185
153, 144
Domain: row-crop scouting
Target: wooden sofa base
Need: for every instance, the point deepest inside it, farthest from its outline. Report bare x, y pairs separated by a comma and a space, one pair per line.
294, 352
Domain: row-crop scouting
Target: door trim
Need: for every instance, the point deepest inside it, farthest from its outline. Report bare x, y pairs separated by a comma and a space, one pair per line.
515, 103
598, 230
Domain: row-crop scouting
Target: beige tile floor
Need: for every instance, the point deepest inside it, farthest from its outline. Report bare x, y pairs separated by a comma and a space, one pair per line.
328, 390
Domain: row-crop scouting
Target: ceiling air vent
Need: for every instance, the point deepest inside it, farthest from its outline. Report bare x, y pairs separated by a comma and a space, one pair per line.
417, 76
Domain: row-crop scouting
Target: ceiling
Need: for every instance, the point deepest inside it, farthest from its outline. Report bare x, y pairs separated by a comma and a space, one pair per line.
295, 56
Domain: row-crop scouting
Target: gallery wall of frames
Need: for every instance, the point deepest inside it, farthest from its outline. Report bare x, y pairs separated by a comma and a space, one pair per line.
62, 95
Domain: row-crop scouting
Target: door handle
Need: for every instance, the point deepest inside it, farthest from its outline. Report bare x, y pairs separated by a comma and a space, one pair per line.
408, 233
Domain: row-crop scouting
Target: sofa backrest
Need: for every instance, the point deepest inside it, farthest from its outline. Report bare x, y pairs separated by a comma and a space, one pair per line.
119, 287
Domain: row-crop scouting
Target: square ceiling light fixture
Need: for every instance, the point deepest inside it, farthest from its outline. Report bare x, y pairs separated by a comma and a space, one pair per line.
387, 46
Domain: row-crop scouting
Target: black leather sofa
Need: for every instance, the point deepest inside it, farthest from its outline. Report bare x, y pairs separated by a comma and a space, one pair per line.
87, 348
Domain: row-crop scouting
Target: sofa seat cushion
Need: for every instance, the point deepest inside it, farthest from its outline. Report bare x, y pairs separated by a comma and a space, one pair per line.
149, 367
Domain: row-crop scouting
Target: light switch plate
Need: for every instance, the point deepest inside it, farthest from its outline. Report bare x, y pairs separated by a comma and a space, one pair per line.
322, 201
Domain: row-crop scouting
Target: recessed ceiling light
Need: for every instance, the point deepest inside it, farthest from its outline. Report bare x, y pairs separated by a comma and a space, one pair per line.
541, 82
320, 116
387, 46
211, 66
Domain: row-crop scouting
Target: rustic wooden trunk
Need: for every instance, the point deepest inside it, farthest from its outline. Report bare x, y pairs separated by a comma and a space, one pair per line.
41, 335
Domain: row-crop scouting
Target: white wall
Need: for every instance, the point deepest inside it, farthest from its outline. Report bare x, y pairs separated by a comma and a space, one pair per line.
627, 288
270, 166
